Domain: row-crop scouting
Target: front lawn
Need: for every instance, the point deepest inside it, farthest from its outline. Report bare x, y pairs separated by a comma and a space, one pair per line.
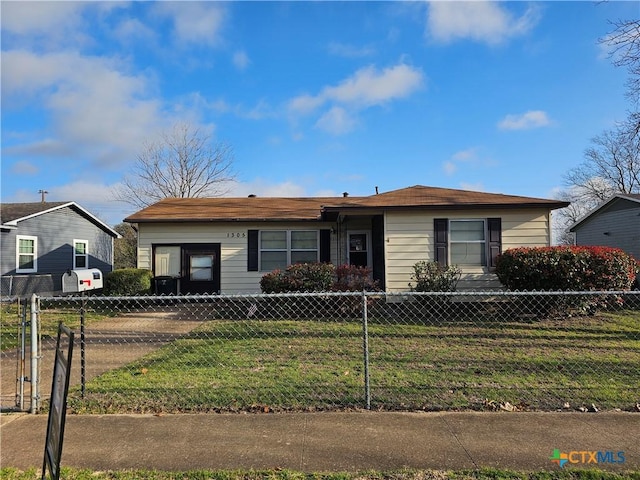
280, 365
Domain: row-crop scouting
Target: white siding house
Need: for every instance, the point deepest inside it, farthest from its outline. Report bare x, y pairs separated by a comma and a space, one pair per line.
226, 245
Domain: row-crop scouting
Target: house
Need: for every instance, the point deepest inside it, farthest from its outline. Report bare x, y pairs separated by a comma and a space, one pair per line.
615, 223
39, 242
226, 245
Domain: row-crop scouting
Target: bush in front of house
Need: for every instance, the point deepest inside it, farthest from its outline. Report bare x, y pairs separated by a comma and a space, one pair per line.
433, 277
300, 277
351, 278
127, 282
318, 277
566, 268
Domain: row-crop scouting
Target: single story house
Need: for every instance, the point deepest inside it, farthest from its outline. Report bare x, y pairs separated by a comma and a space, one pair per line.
226, 245
40, 241
615, 223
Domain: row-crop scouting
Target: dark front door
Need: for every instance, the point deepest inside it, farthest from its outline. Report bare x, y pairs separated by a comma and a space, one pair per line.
201, 268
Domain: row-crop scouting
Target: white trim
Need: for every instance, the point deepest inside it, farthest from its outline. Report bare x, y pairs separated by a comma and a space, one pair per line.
111, 231
35, 254
86, 253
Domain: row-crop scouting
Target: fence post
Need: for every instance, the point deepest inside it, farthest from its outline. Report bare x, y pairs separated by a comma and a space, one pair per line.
83, 362
35, 381
365, 348
22, 311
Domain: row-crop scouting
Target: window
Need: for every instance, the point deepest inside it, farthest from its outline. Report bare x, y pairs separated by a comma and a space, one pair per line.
26, 254
473, 242
201, 268
279, 248
80, 254
467, 242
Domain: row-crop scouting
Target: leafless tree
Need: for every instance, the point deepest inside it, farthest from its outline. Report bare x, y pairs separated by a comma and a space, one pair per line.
183, 163
624, 50
612, 163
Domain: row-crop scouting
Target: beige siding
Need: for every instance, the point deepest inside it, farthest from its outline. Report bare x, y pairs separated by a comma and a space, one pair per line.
232, 238
409, 239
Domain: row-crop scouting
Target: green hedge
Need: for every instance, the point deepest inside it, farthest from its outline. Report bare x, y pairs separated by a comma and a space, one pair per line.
566, 268
128, 282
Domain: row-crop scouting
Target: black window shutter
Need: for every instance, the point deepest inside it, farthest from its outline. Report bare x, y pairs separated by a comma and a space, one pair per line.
252, 254
495, 240
325, 246
441, 234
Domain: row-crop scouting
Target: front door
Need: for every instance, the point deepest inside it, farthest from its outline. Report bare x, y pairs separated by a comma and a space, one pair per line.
359, 249
201, 268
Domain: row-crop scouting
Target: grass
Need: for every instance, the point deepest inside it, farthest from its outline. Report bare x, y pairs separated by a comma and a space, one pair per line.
483, 474
249, 365
11, 319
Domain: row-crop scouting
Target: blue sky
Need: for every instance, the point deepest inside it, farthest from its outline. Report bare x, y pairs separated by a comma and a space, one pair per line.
315, 98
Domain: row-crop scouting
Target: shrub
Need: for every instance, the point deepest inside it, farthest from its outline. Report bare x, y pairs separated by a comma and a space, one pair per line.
566, 268
127, 282
318, 277
433, 277
351, 278
300, 277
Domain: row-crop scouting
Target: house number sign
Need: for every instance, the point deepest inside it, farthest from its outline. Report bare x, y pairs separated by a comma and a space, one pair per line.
236, 234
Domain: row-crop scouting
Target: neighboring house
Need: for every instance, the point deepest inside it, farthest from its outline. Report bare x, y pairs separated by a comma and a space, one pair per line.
39, 242
226, 245
615, 223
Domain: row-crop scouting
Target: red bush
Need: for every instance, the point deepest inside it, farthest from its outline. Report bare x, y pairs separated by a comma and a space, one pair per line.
567, 268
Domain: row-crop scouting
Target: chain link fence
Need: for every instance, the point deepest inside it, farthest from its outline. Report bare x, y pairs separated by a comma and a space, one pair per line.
339, 351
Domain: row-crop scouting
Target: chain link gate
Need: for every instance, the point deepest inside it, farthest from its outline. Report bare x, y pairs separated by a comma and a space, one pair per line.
22, 356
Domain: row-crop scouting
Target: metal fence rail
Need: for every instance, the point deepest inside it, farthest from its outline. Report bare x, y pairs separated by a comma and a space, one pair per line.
404, 351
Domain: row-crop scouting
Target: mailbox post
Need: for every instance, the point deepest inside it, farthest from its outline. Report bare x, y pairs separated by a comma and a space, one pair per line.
80, 281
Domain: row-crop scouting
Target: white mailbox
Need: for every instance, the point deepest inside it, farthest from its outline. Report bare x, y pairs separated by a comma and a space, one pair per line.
81, 280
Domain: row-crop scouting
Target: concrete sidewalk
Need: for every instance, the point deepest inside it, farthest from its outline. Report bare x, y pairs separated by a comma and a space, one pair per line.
322, 442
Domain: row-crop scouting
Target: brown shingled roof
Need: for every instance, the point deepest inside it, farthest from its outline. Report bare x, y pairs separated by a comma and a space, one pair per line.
311, 208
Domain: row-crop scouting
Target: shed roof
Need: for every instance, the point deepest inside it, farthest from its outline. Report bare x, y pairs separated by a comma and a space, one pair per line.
312, 208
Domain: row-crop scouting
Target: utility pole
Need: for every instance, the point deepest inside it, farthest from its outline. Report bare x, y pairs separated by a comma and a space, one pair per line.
42, 194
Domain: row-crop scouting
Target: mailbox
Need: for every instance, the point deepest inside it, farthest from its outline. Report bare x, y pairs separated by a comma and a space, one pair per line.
81, 280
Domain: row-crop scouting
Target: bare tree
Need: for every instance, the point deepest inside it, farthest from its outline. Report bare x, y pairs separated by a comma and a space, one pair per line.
184, 163
624, 45
611, 165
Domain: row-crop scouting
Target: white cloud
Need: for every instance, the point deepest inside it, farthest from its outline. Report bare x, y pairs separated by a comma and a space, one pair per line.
263, 189
195, 22
40, 18
350, 51
525, 121
241, 60
95, 107
133, 30
366, 88
24, 168
369, 87
449, 168
472, 187
336, 121
487, 22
